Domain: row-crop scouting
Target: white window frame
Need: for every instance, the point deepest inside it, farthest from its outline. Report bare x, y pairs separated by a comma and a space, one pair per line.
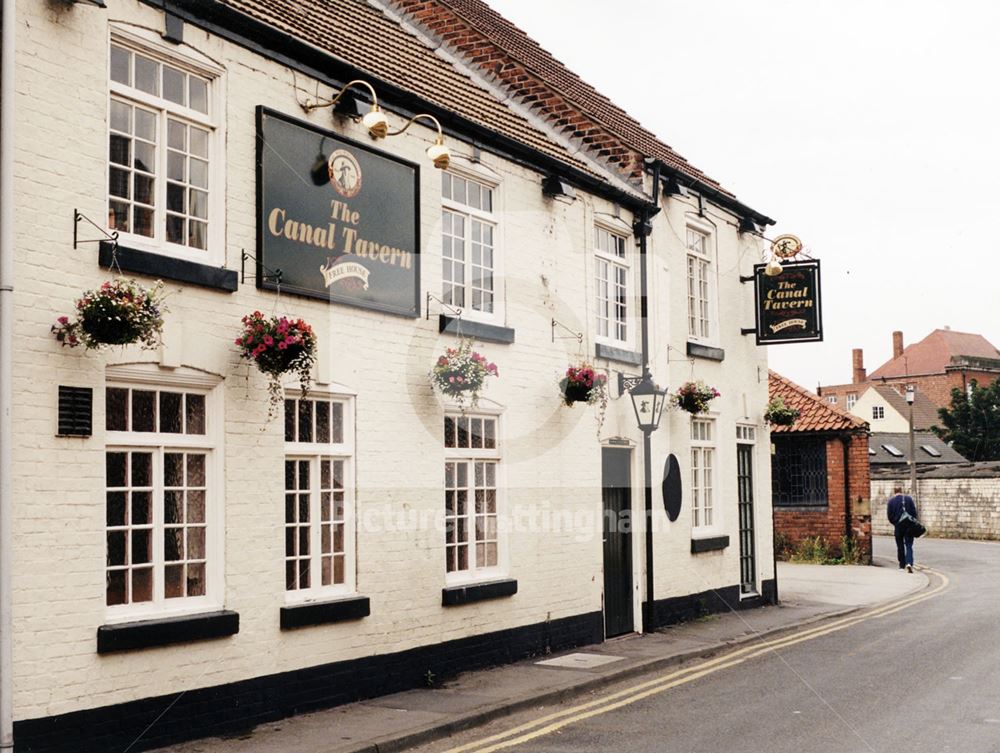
150, 45
469, 455
852, 399
314, 452
613, 262
489, 180
878, 412
700, 450
708, 259
144, 378
831, 399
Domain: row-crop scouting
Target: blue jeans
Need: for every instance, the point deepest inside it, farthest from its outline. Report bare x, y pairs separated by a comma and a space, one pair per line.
904, 548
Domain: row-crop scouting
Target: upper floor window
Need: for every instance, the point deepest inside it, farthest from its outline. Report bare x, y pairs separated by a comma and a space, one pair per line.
699, 285
162, 499
469, 273
472, 456
878, 411
319, 510
613, 275
831, 399
703, 472
852, 398
163, 153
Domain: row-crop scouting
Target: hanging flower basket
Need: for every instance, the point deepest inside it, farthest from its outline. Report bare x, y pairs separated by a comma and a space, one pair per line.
778, 414
120, 312
694, 397
278, 345
582, 384
461, 373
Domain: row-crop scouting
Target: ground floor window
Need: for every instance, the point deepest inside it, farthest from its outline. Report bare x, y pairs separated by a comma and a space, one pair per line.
798, 472
472, 457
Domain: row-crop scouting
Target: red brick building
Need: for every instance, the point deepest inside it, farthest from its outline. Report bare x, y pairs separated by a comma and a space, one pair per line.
820, 474
943, 360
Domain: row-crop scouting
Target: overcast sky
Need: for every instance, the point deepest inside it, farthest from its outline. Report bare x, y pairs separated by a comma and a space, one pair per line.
869, 129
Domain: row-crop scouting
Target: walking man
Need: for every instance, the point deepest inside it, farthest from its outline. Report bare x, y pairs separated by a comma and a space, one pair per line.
904, 539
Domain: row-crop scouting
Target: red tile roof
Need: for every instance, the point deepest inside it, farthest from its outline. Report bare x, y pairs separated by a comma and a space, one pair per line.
815, 414
932, 354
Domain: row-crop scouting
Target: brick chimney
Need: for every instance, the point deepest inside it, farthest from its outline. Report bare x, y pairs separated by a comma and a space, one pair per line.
897, 344
858, 357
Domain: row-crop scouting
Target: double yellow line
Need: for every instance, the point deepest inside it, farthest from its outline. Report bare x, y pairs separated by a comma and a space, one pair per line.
548, 724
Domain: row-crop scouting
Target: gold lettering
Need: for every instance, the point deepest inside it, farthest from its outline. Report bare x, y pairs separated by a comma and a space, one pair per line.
272, 220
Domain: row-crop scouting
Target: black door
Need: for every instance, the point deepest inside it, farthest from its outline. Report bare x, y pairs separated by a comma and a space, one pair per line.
617, 494
748, 560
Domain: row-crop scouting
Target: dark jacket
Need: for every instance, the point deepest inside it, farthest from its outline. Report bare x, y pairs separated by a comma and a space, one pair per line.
896, 506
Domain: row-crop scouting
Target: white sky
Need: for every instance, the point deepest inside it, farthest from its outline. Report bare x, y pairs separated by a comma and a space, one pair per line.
867, 128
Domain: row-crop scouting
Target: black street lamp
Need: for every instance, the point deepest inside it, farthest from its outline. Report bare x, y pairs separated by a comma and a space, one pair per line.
648, 401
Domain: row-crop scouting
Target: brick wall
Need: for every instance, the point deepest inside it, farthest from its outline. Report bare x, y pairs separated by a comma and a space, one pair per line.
961, 508
798, 523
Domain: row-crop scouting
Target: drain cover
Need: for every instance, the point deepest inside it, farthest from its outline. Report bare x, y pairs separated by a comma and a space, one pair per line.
580, 661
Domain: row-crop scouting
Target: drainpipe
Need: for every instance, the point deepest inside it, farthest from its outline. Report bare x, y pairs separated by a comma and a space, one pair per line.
846, 441
7, 124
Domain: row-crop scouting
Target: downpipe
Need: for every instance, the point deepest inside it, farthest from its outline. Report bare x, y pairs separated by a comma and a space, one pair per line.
7, 125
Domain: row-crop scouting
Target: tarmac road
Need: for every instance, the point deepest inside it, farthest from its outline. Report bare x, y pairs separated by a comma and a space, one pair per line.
920, 678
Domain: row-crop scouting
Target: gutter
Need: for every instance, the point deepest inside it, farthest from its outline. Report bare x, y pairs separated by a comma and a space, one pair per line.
721, 198
7, 123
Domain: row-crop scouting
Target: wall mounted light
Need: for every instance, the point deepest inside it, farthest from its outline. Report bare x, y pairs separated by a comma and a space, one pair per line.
556, 188
374, 121
747, 225
648, 401
773, 268
673, 187
437, 152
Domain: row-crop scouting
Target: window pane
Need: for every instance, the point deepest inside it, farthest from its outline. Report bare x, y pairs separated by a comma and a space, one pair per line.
195, 469
173, 507
198, 94
145, 125
199, 204
144, 190
199, 142
118, 182
142, 584
337, 423
199, 172
120, 65
195, 414
142, 221
176, 135
142, 469
289, 420
322, 421
115, 512
116, 591
173, 469
175, 228
174, 87
147, 75
119, 151
173, 581
196, 506
170, 412
305, 420
118, 215
143, 410
145, 157
175, 197
115, 409
197, 234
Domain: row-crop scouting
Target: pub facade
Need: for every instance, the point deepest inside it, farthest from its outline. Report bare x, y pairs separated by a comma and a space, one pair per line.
196, 544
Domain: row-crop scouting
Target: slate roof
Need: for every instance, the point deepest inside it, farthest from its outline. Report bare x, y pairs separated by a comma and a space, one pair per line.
901, 441
925, 412
815, 414
934, 353
985, 469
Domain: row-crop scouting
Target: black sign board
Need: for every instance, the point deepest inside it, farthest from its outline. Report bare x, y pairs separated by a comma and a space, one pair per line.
339, 219
788, 305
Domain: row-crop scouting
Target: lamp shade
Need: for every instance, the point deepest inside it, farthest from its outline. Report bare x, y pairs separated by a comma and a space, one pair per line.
648, 401
376, 123
773, 268
439, 154
910, 394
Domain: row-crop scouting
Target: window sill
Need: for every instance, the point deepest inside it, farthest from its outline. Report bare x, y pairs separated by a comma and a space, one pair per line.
709, 352
325, 612
129, 636
611, 353
494, 333
712, 544
818, 507
169, 268
457, 595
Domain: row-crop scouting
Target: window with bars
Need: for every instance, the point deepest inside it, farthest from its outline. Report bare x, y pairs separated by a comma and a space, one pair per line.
703, 473
160, 499
472, 454
319, 529
161, 132
613, 273
699, 306
798, 473
468, 244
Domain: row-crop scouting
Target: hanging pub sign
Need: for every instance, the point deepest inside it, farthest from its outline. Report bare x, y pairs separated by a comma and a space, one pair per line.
337, 218
788, 304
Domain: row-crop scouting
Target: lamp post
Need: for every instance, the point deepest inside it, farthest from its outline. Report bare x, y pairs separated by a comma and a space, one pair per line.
648, 401
910, 396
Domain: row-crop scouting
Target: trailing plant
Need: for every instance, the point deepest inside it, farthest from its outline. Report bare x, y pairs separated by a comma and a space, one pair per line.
461, 373
583, 384
694, 397
778, 414
278, 345
120, 312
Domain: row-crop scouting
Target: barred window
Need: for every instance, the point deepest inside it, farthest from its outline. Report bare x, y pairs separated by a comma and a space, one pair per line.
798, 473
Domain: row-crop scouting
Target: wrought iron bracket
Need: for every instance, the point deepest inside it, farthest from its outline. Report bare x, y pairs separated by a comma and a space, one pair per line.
77, 240
269, 275
455, 310
573, 335
627, 382
747, 278
748, 330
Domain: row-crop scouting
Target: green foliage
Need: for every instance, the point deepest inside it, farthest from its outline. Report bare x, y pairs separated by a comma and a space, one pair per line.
814, 550
850, 551
972, 423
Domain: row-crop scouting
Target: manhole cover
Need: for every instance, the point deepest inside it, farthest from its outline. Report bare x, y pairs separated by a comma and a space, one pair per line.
580, 661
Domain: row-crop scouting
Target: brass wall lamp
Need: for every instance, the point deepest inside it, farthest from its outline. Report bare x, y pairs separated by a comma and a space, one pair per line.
374, 121
437, 152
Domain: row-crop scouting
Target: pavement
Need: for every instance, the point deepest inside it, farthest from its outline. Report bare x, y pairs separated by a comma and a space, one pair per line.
808, 594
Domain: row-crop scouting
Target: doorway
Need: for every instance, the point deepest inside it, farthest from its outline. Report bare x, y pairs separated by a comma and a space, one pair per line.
617, 496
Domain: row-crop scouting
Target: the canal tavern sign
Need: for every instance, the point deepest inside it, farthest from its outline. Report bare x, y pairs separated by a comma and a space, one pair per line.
336, 220
788, 304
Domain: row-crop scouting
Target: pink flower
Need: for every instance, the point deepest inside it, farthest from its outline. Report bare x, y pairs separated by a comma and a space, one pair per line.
442, 361
63, 320
290, 340
268, 340
239, 340
282, 345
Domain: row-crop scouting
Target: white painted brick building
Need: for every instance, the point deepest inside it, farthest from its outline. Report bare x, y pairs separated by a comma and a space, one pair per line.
216, 629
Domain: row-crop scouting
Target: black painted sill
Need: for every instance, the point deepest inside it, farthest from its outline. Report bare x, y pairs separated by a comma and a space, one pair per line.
713, 544
169, 268
325, 612
476, 330
457, 595
697, 350
129, 636
611, 353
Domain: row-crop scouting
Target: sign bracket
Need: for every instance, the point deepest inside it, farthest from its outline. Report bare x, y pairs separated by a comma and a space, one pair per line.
269, 275
573, 335
77, 216
455, 310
